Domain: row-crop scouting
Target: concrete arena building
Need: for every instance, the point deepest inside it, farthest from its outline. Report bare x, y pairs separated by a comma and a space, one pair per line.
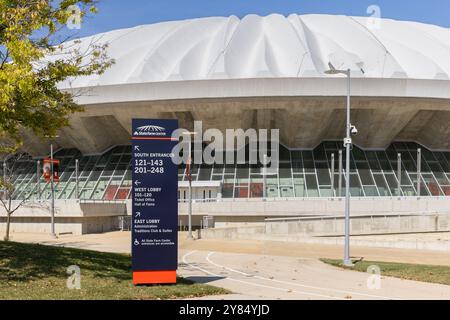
263, 73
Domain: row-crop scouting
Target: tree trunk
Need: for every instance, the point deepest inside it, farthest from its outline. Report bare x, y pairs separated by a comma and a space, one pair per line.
8, 222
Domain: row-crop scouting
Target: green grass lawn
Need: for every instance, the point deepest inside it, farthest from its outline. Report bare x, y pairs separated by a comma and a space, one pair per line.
418, 272
29, 271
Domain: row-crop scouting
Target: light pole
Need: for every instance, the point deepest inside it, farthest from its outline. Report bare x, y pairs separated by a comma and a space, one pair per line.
52, 185
38, 180
77, 191
52, 188
347, 143
265, 178
189, 160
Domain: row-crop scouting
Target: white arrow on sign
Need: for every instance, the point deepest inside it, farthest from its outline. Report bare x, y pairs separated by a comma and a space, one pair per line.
137, 183
136, 148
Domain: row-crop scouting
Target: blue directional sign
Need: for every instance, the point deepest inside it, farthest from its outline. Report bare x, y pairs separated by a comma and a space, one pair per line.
155, 201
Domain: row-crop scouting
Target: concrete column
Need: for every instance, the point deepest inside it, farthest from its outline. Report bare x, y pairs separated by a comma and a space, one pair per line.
340, 174
77, 187
419, 169
332, 175
399, 174
38, 179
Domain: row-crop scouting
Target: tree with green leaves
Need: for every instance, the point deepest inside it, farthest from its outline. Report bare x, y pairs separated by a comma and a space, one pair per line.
7, 190
33, 61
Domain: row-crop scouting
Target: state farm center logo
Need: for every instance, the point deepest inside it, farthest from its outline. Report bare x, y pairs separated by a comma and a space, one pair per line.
150, 130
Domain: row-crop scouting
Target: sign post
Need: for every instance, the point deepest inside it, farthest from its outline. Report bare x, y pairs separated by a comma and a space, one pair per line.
154, 240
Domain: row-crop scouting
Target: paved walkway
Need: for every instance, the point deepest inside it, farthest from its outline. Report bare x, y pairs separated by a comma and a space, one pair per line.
275, 270
274, 277
120, 242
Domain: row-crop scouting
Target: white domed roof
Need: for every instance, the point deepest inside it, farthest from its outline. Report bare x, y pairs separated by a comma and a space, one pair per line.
275, 46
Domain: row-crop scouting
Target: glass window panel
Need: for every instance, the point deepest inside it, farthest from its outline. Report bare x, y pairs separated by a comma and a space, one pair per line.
408, 191
242, 173
311, 184
287, 192
103, 160
428, 155
66, 193
405, 179
205, 173
384, 162
423, 188
358, 154
228, 186
371, 191
120, 170
272, 191
95, 175
441, 178
391, 153
425, 167
285, 171
285, 155
126, 159
194, 169
355, 186
112, 188
300, 187
308, 161
373, 161
297, 167
336, 183
296, 156
392, 182
127, 149
432, 185
443, 162
409, 165
114, 159
319, 154
446, 190
256, 169
382, 185
366, 177
109, 169
323, 174
230, 168
100, 188
325, 191
257, 187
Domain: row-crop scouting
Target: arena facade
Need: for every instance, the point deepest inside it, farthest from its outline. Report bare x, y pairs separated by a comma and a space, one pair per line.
261, 73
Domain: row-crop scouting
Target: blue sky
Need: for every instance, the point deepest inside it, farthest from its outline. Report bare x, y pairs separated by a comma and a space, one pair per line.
116, 14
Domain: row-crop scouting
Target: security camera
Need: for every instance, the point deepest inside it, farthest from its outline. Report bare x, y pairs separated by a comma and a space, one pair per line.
353, 130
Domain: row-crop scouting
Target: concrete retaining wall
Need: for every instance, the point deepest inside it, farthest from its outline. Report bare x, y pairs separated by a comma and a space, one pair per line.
317, 230
71, 216
295, 207
359, 225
